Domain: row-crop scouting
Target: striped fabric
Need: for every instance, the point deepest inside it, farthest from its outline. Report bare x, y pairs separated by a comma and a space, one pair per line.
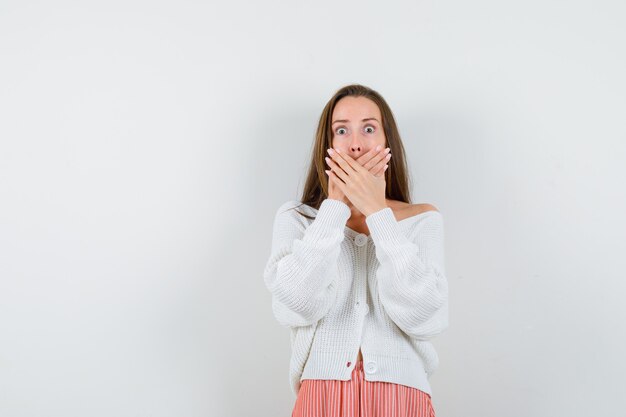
360, 398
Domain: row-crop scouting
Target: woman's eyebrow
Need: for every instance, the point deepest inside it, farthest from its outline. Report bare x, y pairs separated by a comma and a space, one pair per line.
344, 121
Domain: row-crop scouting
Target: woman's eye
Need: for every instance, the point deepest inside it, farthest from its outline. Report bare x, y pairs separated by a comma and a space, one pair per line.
340, 130
370, 127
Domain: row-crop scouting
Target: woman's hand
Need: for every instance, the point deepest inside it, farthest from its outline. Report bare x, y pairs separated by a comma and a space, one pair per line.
365, 190
374, 161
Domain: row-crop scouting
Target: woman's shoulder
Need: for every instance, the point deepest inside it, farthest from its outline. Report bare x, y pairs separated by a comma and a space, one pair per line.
294, 209
289, 204
405, 210
420, 208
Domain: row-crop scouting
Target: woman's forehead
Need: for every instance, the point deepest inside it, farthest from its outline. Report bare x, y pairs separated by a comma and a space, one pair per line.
355, 109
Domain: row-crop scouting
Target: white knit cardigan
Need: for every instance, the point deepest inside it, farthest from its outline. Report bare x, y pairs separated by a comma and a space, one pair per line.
338, 290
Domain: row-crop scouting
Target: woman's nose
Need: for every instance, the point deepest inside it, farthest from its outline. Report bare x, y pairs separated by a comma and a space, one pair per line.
355, 144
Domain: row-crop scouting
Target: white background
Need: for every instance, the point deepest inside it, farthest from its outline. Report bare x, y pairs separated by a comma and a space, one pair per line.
146, 145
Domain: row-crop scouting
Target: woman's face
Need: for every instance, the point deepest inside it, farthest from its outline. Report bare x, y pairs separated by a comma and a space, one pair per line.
357, 126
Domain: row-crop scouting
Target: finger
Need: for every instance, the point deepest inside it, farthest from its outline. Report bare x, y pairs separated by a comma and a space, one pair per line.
348, 164
376, 165
337, 181
379, 172
331, 184
330, 187
368, 160
377, 157
381, 164
337, 169
382, 170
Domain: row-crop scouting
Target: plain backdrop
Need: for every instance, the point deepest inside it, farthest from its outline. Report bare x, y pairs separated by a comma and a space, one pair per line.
146, 145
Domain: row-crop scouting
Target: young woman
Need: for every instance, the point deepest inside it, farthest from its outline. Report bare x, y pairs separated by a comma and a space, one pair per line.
356, 271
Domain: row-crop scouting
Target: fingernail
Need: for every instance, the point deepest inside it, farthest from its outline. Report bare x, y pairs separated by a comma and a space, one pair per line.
330, 151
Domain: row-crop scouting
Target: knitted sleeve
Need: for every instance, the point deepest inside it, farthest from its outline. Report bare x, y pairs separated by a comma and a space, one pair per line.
301, 271
411, 278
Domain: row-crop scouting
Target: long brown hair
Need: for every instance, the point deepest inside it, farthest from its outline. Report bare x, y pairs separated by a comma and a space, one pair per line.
396, 176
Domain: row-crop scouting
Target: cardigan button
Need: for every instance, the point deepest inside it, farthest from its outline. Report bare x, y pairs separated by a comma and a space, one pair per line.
362, 308
371, 367
360, 239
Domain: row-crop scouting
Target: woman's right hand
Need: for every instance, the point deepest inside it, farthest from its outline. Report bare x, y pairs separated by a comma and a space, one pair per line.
375, 161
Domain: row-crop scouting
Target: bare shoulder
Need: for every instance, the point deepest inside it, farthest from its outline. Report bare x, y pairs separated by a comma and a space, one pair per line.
403, 210
415, 209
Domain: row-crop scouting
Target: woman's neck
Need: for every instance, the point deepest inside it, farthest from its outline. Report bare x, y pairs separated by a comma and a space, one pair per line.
354, 212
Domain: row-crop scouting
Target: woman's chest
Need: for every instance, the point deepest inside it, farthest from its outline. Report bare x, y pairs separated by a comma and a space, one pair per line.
357, 262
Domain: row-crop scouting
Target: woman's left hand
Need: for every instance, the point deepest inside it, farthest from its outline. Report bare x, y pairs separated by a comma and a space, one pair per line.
364, 190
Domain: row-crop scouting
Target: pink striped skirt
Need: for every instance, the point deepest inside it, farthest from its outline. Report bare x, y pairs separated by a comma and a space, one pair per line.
360, 398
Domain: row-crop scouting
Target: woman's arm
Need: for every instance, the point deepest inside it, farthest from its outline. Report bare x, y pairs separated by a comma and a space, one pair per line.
412, 285
300, 273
